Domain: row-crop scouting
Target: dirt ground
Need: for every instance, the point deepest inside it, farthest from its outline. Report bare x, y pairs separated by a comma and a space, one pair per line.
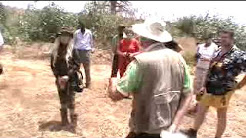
30, 105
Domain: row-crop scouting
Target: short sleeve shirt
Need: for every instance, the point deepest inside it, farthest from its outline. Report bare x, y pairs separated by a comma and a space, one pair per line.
130, 46
224, 70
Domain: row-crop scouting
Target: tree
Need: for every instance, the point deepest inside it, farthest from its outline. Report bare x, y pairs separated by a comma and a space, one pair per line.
201, 27
3, 14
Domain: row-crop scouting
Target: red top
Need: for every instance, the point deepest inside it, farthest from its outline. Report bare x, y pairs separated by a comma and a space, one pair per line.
130, 46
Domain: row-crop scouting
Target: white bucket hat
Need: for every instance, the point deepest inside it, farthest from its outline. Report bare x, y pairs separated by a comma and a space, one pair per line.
152, 29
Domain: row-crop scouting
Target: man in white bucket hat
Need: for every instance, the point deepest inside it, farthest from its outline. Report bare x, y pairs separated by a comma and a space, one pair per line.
160, 84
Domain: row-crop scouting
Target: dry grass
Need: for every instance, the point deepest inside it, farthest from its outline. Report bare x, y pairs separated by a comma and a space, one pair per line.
30, 104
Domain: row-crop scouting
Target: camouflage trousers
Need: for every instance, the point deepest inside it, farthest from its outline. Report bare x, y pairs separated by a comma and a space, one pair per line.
67, 96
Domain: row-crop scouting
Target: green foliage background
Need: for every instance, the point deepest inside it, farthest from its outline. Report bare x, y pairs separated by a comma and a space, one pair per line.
40, 25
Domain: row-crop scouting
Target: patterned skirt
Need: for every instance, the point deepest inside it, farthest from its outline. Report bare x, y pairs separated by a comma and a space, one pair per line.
200, 76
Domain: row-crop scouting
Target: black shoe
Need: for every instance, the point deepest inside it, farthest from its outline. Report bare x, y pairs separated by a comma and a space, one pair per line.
191, 133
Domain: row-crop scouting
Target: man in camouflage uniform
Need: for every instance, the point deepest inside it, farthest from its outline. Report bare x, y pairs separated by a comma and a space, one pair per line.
65, 70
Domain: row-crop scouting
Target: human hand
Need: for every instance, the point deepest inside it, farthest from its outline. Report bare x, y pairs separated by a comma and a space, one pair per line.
93, 50
131, 55
172, 128
112, 86
62, 81
125, 54
203, 90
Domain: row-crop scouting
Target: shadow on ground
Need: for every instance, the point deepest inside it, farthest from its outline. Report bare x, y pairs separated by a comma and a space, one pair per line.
53, 126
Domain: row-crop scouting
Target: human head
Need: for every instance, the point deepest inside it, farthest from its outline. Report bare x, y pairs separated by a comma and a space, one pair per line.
128, 32
226, 38
82, 26
208, 40
66, 34
151, 31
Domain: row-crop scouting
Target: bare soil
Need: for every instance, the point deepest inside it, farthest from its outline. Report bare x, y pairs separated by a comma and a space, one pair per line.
30, 104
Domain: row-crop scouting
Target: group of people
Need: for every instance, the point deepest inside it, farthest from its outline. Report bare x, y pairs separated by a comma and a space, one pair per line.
158, 79
154, 72
126, 45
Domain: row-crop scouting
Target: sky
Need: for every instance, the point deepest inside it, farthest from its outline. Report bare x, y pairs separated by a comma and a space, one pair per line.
169, 10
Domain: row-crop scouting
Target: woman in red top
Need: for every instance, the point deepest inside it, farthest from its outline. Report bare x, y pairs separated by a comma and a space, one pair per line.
128, 47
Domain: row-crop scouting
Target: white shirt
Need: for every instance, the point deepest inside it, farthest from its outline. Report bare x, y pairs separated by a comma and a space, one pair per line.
83, 41
206, 54
1, 40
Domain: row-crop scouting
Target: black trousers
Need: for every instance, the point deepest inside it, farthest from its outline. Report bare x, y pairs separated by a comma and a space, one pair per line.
115, 66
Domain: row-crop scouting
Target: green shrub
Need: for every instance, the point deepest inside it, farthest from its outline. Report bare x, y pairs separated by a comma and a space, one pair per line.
190, 58
200, 27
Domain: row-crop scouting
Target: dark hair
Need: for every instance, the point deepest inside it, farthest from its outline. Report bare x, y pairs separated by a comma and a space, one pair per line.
209, 36
230, 32
81, 25
172, 45
120, 29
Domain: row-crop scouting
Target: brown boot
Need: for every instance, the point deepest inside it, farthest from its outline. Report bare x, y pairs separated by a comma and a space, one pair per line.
64, 119
74, 119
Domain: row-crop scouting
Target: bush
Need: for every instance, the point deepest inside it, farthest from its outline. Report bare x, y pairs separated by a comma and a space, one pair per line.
42, 24
201, 27
190, 58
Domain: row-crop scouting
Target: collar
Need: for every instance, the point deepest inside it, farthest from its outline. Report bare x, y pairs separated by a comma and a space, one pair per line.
155, 46
86, 31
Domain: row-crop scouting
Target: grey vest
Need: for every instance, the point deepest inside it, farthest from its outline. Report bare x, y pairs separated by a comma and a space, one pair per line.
157, 99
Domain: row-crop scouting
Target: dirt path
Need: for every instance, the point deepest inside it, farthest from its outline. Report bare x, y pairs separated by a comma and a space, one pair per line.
30, 105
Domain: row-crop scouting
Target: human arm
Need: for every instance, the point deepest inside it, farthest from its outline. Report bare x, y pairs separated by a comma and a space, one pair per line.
197, 55
137, 49
129, 83
75, 38
242, 83
52, 66
92, 43
243, 67
115, 43
119, 49
186, 97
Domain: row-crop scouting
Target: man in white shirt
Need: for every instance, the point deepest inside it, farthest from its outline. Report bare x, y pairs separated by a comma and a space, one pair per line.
83, 46
204, 55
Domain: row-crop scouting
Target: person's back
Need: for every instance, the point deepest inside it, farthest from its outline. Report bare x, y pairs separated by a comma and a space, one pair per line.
158, 97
